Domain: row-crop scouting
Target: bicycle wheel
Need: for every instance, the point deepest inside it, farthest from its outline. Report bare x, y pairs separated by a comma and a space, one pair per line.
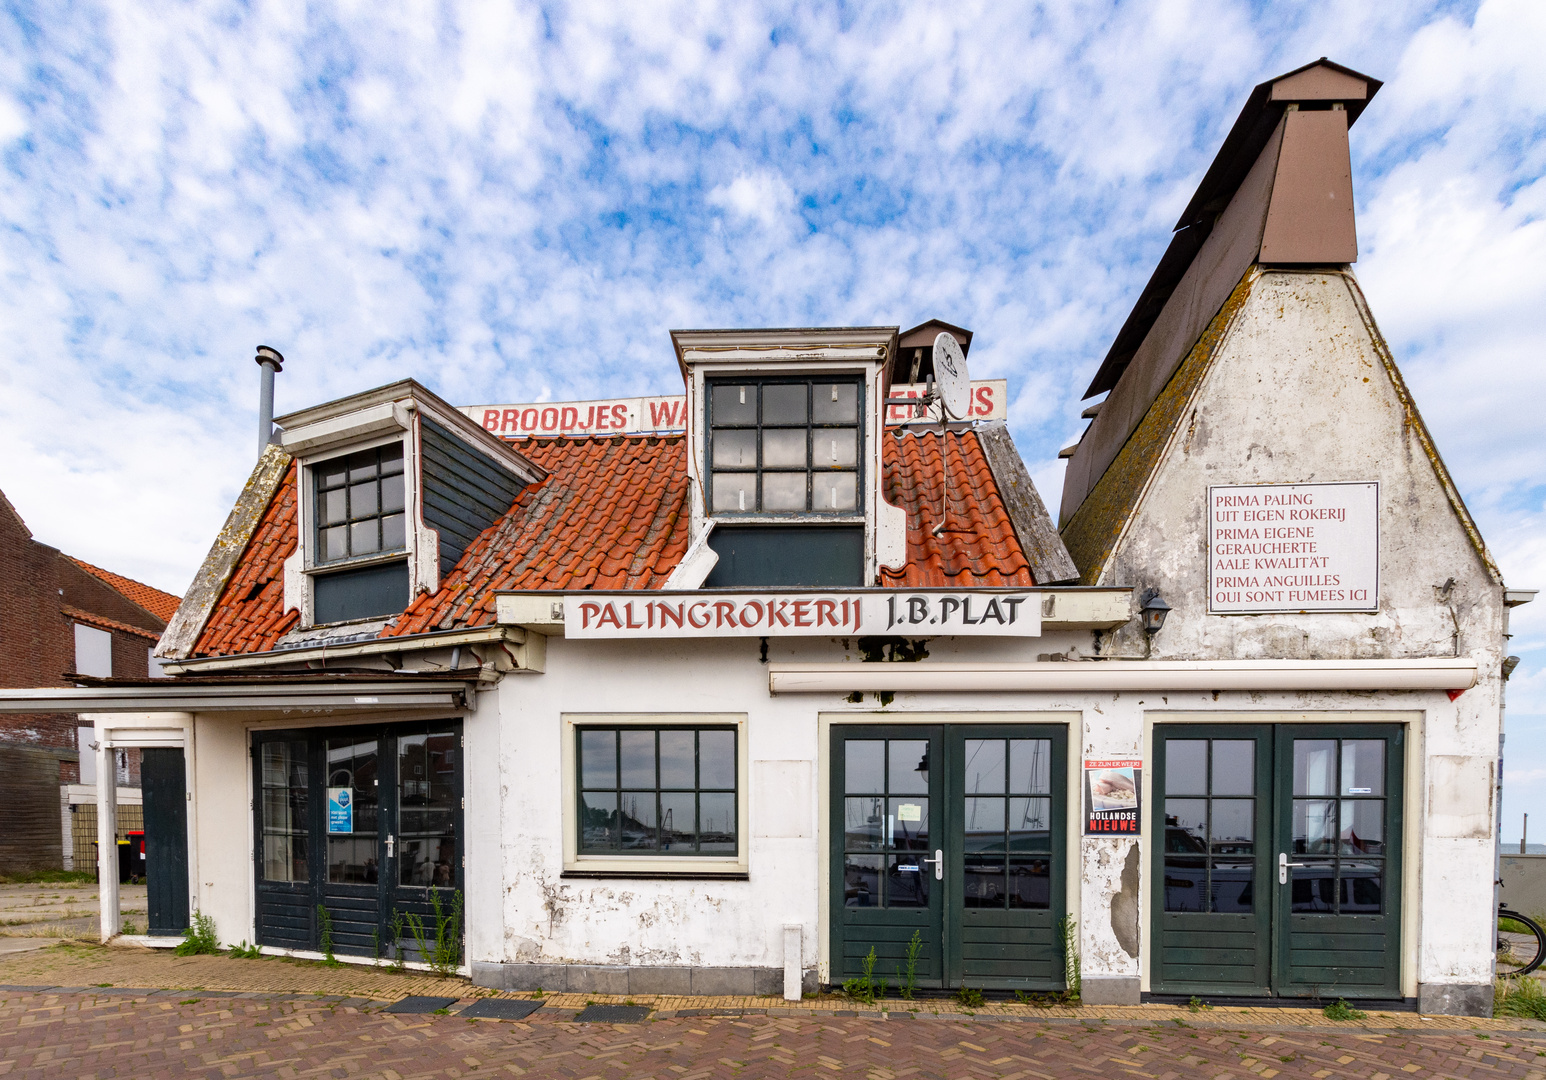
1521, 943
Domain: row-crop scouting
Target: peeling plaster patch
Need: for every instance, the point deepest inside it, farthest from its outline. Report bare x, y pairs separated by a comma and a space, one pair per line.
1124, 906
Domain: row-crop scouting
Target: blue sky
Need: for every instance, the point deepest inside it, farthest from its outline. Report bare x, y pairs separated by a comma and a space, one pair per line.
516, 202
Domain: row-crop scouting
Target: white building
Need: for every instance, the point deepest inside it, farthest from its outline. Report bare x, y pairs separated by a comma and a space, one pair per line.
722, 709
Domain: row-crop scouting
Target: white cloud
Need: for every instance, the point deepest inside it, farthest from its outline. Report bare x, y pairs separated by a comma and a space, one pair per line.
762, 197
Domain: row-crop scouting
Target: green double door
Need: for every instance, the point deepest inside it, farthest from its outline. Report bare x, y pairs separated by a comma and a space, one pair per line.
1279, 870
951, 837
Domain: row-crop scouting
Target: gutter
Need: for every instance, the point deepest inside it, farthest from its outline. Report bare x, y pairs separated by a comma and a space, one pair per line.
242, 697
523, 649
1125, 675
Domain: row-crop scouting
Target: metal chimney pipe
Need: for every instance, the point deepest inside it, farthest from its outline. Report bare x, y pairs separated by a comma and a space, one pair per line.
270, 360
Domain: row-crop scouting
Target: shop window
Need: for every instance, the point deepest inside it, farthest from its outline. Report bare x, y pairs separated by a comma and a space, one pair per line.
643, 795
645, 791
789, 447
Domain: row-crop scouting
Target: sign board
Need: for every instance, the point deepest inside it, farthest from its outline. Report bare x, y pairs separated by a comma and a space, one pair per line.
1293, 547
917, 613
652, 415
1112, 790
340, 810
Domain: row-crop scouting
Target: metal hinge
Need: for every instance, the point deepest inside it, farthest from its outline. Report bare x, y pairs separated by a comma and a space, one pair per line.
464, 802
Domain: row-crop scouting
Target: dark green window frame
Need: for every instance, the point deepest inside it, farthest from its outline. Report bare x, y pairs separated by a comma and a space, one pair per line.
834, 438
624, 812
358, 505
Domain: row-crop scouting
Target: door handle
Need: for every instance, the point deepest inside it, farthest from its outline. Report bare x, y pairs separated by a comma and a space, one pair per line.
390, 840
939, 864
1283, 865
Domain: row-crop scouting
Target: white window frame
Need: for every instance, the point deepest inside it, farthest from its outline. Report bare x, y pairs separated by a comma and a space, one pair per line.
737, 865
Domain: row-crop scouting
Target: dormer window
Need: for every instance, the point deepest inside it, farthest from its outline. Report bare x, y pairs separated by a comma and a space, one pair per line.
360, 504
785, 446
395, 484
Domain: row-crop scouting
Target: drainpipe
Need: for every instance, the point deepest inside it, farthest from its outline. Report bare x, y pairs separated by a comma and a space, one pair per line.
270, 360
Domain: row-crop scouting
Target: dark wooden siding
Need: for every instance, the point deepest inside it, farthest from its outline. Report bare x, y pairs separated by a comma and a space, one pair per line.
33, 837
463, 491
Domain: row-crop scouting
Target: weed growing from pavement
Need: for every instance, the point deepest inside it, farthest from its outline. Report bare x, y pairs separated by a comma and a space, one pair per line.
1341, 1010
326, 922
444, 955
199, 939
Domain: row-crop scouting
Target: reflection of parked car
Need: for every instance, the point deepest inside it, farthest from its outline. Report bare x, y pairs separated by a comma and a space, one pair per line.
1316, 887
1187, 879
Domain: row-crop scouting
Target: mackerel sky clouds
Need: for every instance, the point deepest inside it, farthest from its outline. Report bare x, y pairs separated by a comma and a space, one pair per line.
515, 202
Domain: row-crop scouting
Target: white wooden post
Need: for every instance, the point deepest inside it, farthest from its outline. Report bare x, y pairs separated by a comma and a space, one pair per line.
107, 836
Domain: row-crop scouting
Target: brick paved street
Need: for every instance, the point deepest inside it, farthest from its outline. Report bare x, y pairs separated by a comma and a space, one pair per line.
112, 1033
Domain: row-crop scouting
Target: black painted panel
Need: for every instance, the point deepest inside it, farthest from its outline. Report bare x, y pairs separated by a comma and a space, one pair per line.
365, 593
809, 556
463, 491
164, 789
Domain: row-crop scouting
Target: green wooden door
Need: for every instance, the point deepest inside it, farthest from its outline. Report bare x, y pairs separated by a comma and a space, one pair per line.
1211, 898
1339, 846
1279, 870
1004, 856
956, 834
887, 790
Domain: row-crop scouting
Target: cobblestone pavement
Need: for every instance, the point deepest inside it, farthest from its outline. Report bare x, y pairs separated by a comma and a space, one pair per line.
91, 1012
102, 1033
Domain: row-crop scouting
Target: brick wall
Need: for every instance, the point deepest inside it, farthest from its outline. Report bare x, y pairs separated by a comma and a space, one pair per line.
37, 640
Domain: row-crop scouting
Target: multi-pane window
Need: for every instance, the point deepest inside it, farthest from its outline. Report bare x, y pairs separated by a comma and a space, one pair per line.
657, 791
359, 504
426, 787
785, 446
1210, 824
1008, 819
1338, 826
285, 827
886, 823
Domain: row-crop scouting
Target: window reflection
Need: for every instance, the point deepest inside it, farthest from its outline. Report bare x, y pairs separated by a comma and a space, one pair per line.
426, 784
284, 825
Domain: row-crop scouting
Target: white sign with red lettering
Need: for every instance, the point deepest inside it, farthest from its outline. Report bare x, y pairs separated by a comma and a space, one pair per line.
1293, 547
920, 613
649, 415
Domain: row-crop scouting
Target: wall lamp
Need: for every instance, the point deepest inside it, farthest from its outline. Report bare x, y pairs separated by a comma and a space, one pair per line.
1153, 611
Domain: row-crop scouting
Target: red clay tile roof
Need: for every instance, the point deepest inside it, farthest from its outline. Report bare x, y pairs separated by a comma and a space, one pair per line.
979, 546
163, 605
250, 615
103, 623
613, 514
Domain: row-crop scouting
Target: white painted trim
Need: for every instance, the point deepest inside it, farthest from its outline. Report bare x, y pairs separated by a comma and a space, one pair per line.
1119, 675
651, 865
362, 961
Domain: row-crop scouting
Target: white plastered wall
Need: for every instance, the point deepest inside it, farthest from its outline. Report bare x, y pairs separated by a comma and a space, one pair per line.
1299, 391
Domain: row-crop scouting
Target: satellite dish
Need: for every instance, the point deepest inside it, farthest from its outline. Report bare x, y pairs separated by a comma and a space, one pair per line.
955, 389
